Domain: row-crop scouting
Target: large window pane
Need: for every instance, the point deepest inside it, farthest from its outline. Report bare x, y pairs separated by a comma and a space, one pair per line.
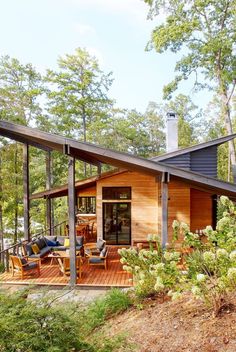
87, 205
116, 193
117, 223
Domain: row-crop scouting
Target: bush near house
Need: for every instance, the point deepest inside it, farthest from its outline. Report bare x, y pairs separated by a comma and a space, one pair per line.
210, 269
31, 326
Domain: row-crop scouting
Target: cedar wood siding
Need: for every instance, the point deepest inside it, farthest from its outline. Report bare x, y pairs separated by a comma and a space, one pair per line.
185, 204
144, 200
87, 192
201, 209
178, 205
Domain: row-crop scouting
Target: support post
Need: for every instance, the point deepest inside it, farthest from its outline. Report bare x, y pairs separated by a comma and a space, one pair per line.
72, 233
49, 212
26, 191
99, 169
164, 207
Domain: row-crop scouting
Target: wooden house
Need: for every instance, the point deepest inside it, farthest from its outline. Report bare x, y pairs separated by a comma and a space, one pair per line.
142, 196
128, 204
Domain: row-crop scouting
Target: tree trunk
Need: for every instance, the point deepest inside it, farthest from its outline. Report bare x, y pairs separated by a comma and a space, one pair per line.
229, 129
84, 135
16, 195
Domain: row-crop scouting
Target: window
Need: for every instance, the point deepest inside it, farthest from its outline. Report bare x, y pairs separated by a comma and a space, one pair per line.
87, 205
121, 193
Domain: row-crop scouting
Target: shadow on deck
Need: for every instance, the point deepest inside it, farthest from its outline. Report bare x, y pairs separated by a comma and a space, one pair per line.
92, 276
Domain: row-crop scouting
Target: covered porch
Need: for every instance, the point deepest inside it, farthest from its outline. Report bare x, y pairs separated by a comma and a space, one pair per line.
92, 276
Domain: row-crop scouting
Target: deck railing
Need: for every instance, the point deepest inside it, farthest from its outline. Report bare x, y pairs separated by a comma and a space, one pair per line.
18, 248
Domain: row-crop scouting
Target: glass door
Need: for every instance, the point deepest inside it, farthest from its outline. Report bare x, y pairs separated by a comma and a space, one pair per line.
117, 223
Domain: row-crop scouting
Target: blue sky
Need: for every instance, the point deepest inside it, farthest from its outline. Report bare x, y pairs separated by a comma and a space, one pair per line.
115, 31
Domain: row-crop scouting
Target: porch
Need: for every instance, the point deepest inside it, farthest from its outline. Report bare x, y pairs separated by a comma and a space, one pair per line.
92, 276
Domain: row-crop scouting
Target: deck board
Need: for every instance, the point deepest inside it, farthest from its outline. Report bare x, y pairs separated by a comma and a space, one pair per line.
95, 276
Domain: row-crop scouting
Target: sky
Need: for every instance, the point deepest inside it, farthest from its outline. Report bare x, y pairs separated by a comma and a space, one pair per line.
115, 31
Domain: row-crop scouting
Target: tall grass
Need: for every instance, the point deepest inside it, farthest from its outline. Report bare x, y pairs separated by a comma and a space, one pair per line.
115, 302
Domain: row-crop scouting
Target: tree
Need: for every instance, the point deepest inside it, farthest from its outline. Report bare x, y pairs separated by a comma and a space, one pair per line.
20, 88
204, 32
78, 93
188, 119
155, 122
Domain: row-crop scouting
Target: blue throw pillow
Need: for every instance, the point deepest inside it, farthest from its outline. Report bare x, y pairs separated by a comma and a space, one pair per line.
51, 243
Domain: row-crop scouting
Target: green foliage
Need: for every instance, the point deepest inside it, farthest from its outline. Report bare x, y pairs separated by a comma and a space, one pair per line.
27, 326
205, 28
154, 270
204, 34
77, 93
2, 267
190, 239
42, 326
101, 309
211, 268
212, 276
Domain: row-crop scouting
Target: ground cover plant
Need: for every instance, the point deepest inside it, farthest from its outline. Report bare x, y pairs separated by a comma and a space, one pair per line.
45, 325
209, 270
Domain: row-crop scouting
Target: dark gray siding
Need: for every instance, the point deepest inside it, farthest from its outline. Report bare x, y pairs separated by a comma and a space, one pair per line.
205, 161
182, 161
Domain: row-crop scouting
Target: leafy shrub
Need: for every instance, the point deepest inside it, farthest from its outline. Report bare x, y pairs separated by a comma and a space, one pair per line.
27, 326
212, 275
154, 270
212, 266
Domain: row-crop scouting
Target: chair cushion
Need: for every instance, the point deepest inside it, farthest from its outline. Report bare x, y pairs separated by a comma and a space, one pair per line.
42, 253
41, 243
103, 252
61, 248
79, 241
30, 266
67, 242
51, 243
51, 238
96, 260
100, 244
28, 248
35, 248
60, 240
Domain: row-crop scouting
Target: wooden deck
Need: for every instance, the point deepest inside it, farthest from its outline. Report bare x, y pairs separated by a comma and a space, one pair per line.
92, 276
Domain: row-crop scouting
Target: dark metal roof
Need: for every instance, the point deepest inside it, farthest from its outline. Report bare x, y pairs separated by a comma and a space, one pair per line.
96, 155
193, 148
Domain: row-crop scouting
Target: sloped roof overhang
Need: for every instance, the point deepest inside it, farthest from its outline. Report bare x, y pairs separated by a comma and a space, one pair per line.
95, 154
217, 141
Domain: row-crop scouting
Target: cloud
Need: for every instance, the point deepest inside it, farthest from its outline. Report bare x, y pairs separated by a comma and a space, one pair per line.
84, 29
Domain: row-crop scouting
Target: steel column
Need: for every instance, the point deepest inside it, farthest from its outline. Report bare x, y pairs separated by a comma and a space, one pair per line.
72, 233
164, 207
26, 191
